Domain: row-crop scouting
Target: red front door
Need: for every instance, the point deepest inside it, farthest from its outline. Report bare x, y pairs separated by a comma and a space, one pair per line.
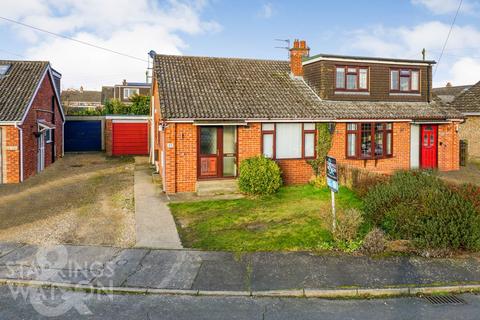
428, 150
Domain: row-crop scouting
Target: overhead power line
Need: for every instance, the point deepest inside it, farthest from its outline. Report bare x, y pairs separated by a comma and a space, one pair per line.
72, 39
448, 36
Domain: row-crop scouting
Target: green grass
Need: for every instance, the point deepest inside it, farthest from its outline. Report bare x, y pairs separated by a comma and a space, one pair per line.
288, 220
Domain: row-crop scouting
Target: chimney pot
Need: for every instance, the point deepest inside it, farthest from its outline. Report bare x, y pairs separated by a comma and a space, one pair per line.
297, 53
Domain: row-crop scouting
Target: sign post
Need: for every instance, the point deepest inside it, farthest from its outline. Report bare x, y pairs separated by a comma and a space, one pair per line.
332, 182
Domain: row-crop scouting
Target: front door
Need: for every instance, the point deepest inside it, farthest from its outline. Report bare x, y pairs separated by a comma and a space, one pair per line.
41, 152
217, 156
428, 151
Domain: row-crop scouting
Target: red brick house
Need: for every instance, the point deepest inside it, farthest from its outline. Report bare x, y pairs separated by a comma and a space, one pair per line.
466, 100
31, 119
209, 114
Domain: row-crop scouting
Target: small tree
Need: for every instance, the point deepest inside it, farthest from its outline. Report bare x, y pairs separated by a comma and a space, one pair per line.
115, 106
140, 104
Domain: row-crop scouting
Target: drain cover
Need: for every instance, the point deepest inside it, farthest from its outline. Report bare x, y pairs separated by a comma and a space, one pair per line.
445, 300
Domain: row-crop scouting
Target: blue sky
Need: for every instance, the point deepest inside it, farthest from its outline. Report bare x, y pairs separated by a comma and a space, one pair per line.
237, 29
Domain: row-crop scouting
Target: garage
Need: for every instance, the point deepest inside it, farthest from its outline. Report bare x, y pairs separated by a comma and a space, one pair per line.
130, 136
83, 134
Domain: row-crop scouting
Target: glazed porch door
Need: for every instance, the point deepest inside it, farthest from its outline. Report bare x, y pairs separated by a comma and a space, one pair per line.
428, 152
209, 152
217, 151
41, 152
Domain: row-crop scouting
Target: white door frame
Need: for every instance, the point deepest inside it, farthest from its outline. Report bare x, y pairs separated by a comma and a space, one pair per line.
41, 152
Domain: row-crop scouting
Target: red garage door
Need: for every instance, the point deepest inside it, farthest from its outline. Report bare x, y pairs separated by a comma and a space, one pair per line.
130, 138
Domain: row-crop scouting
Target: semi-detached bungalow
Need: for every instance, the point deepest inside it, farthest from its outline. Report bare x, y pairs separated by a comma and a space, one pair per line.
209, 114
31, 119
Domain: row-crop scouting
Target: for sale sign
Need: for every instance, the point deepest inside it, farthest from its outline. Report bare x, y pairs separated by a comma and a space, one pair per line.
332, 174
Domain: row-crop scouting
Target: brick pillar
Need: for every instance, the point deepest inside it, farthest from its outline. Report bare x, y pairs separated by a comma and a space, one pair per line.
249, 141
297, 53
448, 147
10, 154
170, 159
108, 137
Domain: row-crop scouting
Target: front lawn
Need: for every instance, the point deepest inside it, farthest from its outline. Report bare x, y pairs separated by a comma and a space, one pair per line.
288, 220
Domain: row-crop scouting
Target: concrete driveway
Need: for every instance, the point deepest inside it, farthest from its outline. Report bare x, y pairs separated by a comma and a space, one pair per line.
80, 199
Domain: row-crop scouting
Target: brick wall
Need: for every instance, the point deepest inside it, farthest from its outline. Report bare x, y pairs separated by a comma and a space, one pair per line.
41, 109
108, 137
181, 155
250, 145
249, 141
448, 147
321, 76
469, 130
10, 154
401, 150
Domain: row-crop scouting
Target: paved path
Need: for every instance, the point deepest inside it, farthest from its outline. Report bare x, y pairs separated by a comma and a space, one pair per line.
225, 271
155, 227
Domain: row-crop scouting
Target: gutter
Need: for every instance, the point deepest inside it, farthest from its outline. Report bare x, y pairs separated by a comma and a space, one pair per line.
21, 151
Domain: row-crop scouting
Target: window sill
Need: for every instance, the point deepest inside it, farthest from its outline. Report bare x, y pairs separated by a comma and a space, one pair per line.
362, 93
408, 94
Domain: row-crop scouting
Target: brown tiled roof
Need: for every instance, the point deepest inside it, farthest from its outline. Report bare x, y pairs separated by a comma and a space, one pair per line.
81, 96
18, 86
468, 101
231, 88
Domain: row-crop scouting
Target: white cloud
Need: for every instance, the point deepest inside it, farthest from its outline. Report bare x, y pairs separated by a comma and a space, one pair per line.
267, 11
465, 71
408, 42
130, 27
448, 6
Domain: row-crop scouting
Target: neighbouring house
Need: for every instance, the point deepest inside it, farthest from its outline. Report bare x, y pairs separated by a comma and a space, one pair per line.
209, 114
468, 103
124, 91
31, 119
81, 99
448, 93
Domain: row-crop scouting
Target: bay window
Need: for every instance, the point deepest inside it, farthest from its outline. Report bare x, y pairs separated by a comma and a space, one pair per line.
351, 78
288, 140
404, 80
369, 140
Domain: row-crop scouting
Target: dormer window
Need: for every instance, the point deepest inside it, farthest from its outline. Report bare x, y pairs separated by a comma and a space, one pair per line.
404, 80
351, 78
4, 69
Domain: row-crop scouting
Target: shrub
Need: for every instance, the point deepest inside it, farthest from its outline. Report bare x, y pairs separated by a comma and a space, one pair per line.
259, 175
420, 207
140, 104
348, 223
319, 181
374, 242
359, 180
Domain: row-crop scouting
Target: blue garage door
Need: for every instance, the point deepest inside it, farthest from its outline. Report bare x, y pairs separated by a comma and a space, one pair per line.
83, 135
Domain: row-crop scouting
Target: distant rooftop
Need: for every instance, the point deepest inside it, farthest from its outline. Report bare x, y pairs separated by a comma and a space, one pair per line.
336, 56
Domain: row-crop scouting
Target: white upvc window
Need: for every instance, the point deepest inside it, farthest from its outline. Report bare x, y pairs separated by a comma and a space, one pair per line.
128, 92
48, 135
288, 140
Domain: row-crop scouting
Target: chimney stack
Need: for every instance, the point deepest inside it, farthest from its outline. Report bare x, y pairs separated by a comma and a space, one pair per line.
297, 53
